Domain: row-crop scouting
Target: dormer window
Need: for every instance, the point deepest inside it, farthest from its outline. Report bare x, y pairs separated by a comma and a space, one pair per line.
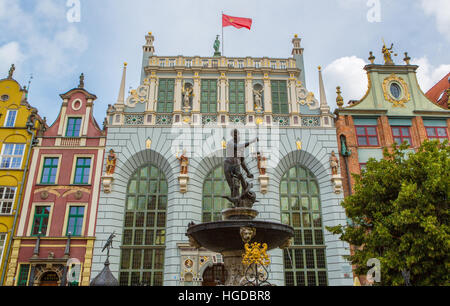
11, 118
73, 127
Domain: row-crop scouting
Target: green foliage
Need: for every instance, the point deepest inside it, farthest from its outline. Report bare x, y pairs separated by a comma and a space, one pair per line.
399, 214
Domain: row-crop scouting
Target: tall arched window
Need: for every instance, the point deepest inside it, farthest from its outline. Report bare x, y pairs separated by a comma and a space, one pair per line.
214, 187
304, 262
144, 231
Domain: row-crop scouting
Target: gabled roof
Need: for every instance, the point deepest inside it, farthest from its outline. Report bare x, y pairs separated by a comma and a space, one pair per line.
438, 93
74, 90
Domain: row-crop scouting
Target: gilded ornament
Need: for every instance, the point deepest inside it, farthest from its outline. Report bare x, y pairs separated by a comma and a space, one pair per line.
405, 96
255, 254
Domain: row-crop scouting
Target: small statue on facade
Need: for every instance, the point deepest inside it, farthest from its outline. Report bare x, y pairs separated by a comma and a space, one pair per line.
111, 162
11, 71
81, 85
233, 163
108, 245
262, 163
258, 99
216, 46
334, 163
387, 54
184, 162
187, 93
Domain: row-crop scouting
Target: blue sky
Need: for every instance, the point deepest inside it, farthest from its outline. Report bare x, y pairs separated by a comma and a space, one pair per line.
336, 34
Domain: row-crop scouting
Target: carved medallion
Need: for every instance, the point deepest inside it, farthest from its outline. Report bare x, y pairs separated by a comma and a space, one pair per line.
399, 98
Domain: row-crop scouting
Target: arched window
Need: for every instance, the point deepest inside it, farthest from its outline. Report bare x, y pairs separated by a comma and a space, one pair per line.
144, 231
214, 187
304, 262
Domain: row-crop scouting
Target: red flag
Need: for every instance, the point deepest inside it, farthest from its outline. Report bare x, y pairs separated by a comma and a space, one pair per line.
237, 22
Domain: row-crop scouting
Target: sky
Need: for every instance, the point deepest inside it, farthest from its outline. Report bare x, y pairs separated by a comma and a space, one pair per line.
50, 41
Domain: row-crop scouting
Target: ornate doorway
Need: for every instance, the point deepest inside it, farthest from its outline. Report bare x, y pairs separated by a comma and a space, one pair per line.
214, 275
49, 279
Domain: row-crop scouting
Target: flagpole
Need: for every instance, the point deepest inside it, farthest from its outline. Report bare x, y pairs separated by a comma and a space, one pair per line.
222, 34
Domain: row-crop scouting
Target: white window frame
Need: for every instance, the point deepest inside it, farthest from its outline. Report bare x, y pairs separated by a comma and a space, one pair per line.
282, 65
240, 64
3, 156
2, 245
10, 111
3, 200
257, 64
273, 65
172, 62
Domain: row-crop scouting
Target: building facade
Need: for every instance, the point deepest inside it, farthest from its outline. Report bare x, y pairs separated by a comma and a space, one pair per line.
19, 126
393, 110
165, 168
54, 240
440, 92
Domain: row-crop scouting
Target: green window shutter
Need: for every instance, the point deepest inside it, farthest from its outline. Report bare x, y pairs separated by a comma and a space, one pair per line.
23, 275
208, 99
279, 97
236, 97
166, 89
75, 221
82, 171
40, 220
49, 170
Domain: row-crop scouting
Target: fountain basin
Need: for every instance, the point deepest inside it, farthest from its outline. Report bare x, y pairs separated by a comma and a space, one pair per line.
224, 236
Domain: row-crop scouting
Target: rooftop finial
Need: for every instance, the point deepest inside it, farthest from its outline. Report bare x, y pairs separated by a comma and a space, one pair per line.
407, 58
81, 85
11, 72
339, 99
371, 57
324, 108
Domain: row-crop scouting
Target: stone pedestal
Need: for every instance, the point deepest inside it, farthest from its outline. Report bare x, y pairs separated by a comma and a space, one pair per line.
107, 181
263, 183
183, 180
337, 183
235, 268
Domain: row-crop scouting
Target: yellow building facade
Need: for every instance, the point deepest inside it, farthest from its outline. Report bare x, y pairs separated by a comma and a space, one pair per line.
19, 124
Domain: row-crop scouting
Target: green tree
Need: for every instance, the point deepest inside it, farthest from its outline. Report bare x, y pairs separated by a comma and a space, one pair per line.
399, 214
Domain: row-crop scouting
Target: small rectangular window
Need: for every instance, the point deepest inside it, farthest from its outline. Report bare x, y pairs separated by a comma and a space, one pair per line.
257, 64
12, 156
11, 118
240, 64
437, 133
205, 63
283, 65
188, 63
49, 170
171, 63
162, 63
273, 65
367, 135
401, 134
75, 221
40, 220
23, 275
73, 127
82, 170
6, 200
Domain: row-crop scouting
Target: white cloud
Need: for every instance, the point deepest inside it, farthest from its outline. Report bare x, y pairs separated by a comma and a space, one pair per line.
348, 73
9, 54
48, 42
427, 74
440, 9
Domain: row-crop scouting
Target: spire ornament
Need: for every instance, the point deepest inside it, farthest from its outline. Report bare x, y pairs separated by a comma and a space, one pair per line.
371, 57
81, 85
387, 54
339, 99
11, 72
407, 59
